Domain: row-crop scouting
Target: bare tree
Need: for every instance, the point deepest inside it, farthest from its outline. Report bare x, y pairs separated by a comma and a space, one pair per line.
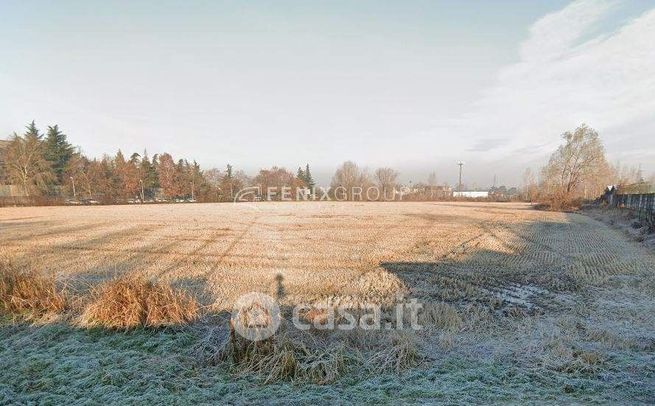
530, 186
168, 177
77, 172
387, 180
577, 169
625, 175
349, 182
272, 181
128, 175
105, 186
26, 165
214, 176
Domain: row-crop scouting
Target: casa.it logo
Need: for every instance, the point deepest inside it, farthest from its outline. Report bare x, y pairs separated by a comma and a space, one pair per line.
256, 316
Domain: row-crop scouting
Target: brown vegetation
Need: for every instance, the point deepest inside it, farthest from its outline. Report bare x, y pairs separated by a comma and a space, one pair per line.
482, 272
134, 301
303, 359
401, 353
280, 357
28, 292
577, 170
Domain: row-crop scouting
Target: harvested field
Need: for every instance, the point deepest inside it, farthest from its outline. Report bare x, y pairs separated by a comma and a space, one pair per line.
518, 304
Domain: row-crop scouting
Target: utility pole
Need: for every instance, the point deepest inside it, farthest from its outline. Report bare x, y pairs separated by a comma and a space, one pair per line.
74, 192
459, 185
142, 191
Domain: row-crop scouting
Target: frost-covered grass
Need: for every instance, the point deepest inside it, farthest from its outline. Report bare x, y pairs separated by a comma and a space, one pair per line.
520, 305
59, 364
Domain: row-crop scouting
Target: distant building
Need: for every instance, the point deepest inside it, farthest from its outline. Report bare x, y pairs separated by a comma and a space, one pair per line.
470, 194
502, 193
439, 192
422, 192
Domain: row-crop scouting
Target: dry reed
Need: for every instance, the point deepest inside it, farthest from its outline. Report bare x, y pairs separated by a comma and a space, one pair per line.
132, 302
27, 291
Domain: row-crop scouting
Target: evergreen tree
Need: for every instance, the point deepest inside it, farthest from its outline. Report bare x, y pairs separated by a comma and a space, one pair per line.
148, 174
58, 151
135, 158
227, 184
116, 170
25, 164
120, 158
301, 176
33, 132
197, 180
309, 181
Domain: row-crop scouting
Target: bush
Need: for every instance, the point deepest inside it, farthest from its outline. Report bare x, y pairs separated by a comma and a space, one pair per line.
559, 203
133, 302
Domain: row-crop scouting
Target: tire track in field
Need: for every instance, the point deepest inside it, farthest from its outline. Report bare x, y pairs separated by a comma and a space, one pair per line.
465, 247
195, 253
238, 239
594, 256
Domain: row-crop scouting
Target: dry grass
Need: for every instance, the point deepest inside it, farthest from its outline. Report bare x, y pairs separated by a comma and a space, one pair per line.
400, 354
495, 280
278, 358
442, 316
27, 292
132, 302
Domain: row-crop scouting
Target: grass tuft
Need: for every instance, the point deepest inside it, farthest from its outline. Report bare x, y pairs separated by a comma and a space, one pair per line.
133, 302
28, 292
278, 358
402, 353
441, 315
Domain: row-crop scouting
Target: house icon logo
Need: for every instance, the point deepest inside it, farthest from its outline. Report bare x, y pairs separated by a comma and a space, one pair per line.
256, 316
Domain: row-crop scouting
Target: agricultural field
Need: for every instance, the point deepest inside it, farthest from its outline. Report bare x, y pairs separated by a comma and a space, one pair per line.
517, 304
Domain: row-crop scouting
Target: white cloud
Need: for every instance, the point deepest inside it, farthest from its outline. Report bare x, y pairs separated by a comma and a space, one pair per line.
554, 34
570, 73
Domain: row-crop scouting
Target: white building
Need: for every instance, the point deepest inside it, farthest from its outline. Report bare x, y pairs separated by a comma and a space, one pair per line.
471, 194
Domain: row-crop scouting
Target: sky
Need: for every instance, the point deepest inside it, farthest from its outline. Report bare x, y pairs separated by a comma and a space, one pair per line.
414, 85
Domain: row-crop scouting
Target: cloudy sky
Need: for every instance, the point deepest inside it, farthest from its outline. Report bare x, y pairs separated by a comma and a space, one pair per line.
417, 85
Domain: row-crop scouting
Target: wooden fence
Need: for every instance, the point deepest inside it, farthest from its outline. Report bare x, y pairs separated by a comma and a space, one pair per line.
643, 204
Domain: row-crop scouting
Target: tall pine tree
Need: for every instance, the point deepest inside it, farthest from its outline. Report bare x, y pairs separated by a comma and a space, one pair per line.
33, 132
58, 151
149, 174
309, 181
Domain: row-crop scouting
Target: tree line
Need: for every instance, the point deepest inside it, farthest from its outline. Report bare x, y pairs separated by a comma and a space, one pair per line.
47, 165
